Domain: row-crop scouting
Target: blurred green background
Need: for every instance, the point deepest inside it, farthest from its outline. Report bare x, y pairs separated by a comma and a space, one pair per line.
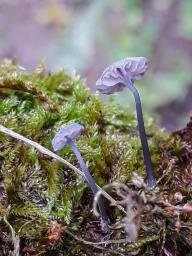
87, 35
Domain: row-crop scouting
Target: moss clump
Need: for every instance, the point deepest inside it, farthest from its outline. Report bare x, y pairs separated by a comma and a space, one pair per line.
39, 196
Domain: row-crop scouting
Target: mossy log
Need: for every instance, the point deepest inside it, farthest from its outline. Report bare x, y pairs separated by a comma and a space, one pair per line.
46, 208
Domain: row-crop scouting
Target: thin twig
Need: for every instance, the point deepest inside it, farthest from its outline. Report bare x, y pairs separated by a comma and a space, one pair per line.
96, 244
119, 241
185, 208
130, 246
46, 151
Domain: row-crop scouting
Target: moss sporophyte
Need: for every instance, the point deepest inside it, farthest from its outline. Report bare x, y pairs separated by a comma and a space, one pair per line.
65, 136
115, 78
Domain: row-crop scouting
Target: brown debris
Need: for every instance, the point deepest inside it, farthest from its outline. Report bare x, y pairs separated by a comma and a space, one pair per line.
54, 232
185, 134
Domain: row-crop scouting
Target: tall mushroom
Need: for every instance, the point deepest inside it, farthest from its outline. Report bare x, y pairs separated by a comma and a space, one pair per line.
65, 136
115, 78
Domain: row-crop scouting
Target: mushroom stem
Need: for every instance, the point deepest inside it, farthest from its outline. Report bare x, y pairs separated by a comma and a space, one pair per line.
142, 133
91, 183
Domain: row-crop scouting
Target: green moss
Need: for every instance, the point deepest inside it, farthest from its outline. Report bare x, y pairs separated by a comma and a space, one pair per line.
36, 106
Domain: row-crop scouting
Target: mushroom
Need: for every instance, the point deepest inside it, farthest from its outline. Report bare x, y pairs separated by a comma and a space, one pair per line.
65, 136
115, 78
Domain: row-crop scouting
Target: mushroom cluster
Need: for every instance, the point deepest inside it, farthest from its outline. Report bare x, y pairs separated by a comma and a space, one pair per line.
115, 78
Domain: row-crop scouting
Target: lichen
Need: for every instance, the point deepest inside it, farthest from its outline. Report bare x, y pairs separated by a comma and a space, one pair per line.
37, 190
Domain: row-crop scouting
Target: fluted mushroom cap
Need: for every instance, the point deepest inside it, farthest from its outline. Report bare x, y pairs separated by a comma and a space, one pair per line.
111, 79
68, 131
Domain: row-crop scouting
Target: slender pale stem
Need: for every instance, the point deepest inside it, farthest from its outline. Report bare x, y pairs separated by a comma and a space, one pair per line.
143, 137
91, 183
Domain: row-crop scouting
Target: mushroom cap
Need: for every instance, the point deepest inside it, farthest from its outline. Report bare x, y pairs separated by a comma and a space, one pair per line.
112, 77
67, 131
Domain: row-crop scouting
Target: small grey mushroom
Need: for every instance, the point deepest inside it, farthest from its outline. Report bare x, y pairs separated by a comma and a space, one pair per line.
65, 136
112, 78
115, 78
72, 131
